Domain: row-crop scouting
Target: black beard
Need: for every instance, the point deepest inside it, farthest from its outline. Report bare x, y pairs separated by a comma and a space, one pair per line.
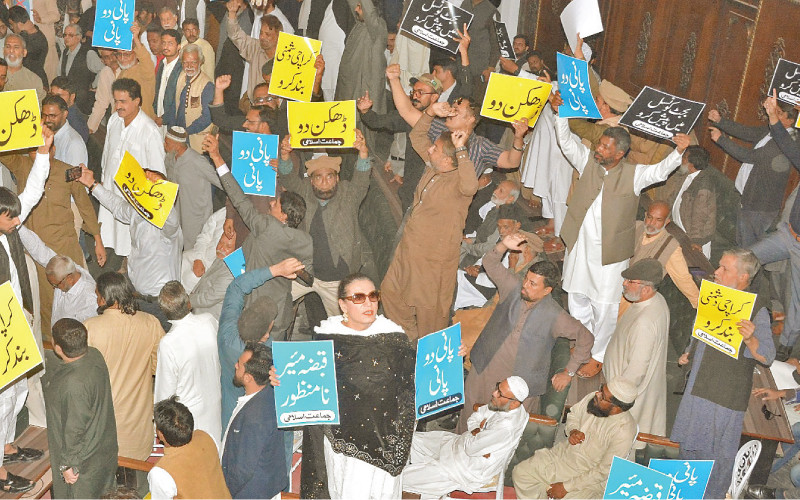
237, 382
325, 195
596, 410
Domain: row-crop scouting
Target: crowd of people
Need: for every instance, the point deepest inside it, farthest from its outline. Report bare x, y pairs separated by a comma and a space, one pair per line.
527, 234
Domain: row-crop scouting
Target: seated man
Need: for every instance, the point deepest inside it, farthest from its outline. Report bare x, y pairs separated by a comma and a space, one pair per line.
190, 466
441, 461
599, 427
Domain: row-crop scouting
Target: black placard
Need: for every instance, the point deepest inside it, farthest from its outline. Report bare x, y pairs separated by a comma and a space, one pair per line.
436, 22
786, 80
660, 114
506, 47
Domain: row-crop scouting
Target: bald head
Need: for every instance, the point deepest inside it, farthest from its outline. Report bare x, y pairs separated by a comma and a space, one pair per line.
656, 218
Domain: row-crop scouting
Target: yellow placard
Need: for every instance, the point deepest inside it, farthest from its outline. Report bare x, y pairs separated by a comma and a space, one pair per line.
797, 125
19, 354
293, 70
322, 124
510, 98
719, 309
20, 126
151, 200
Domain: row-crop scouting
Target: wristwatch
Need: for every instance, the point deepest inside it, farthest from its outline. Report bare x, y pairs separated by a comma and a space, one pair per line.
571, 374
461, 148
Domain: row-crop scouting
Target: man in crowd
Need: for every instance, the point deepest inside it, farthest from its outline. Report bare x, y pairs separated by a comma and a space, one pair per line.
418, 286
455, 76
67, 89
331, 216
764, 172
425, 91
73, 286
519, 337
35, 41
128, 339
706, 206
603, 211
129, 130
252, 448
195, 93
75, 65
81, 427
103, 96
190, 466
255, 51
637, 351
600, 427
20, 77
168, 17
13, 210
70, 146
193, 173
167, 73
441, 461
711, 414
188, 360
191, 31
269, 242
473, 248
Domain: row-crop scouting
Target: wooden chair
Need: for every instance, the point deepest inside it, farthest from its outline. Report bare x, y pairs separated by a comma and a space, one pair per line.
655, 447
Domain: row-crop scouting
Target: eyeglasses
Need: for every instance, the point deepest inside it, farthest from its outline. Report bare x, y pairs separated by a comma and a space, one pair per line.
768, 414
254, 122
58, 285
497, 390
417, 93
360, 298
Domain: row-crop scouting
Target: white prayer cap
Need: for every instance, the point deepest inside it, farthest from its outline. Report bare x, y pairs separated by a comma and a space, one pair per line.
518, 387
623, 389
177, 134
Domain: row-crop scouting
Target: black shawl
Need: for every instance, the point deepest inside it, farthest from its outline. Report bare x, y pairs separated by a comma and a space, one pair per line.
375, 380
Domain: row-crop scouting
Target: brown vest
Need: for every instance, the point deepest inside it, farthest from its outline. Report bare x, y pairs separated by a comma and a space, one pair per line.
194, 108
619, 206
195, 468
661, 247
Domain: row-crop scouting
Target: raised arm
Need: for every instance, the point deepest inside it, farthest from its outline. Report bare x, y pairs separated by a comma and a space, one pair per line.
37, 248
401, 100
505, 279
120, 208
571, 146
650, 174
419, 136
34, 188
467, 182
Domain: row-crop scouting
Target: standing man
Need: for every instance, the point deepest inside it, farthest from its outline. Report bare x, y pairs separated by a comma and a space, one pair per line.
252, 449
331, 216
128, 339
425, 91
167, 72
418, 287
599, 226
70, 146
188, 360
75, 64
255, 51
193, 173
519, 337
190, 466
137, 65
13, 211
637, 351
711, 414
81, 428
194, 94
191, 31
66, 89
103, 96
19, 77
35, 41
129, 129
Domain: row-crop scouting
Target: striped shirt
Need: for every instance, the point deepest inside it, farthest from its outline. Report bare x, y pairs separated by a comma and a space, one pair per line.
483, 152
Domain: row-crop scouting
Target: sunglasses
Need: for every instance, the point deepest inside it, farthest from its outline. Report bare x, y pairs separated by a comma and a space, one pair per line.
768, 414
360, 298
417, 92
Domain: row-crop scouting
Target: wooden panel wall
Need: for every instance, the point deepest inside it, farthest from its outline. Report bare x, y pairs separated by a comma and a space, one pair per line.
721, 52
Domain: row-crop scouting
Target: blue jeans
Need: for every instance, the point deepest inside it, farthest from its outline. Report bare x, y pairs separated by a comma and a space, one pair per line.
781, 245
789, 454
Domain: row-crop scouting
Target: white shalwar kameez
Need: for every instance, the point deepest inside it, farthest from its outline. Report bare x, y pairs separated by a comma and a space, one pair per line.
442, 462
595, 289
332, 38
142, 139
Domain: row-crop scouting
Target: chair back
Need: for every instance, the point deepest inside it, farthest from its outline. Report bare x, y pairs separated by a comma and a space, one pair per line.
746, 459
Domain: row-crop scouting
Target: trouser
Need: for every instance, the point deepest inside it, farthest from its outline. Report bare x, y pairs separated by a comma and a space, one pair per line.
12, 399
554, 210
35, 400
328, 291
721, 473
416, 321
782, 245
599, 318
533, 477
752, 226
425, 474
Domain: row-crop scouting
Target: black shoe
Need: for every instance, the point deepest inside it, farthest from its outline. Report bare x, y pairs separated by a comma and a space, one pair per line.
759, 491
15, 484
23, 455
783, 352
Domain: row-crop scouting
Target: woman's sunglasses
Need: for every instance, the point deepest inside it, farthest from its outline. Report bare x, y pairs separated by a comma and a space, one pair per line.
360, 298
